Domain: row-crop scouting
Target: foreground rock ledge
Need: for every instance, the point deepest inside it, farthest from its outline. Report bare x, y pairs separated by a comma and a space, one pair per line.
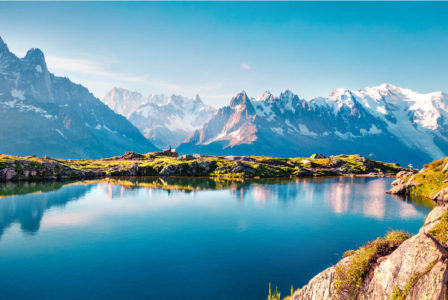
168, 163
418, 266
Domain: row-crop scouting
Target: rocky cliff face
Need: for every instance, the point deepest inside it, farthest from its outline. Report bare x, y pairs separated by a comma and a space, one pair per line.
416, 269
43, 114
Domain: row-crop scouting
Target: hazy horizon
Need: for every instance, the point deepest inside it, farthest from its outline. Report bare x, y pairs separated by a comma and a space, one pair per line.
217, 49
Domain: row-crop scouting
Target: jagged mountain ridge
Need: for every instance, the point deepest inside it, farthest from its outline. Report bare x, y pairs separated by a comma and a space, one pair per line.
43, 114
385, 122
165, 121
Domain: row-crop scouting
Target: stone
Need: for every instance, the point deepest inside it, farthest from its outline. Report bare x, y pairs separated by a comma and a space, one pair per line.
421, 257
10, 174
321, 286
432, 285
441, 195
317, 155
186, 157
433, 218
411, 257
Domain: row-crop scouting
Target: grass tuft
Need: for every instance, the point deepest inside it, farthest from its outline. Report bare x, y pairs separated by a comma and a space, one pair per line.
349, 277
440, 231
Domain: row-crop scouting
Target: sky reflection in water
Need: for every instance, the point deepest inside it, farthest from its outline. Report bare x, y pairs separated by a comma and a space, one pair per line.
226, 239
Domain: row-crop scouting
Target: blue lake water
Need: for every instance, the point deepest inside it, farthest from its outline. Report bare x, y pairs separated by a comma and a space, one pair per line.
188, 238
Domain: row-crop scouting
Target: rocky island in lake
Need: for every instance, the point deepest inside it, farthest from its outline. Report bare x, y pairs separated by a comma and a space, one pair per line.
168, 163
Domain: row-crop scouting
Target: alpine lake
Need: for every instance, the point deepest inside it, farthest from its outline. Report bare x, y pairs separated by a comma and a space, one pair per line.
187, 238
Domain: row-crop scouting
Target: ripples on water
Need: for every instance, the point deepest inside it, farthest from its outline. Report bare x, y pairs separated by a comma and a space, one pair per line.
192, 238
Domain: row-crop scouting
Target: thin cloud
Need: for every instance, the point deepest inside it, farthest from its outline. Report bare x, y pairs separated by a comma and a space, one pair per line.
245, 66
98, 72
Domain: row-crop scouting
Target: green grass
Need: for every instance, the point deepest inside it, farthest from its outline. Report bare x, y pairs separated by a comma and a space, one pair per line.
273, 295
151, 165
440, 231
349, 277
430, 180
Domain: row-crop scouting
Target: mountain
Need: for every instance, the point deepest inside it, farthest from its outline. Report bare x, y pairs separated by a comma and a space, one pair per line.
44, 114
385, 123
166, 121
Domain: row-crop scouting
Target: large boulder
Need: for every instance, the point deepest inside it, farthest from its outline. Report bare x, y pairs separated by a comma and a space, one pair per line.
410, 259
417, 269
321, 286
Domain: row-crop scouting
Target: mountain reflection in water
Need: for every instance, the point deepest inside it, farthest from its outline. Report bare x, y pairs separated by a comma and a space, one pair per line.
26, 203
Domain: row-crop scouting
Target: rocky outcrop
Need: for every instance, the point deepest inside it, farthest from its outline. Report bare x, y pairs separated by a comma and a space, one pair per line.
322, 286
412, 258
403, 184
48, 169
430, 182
417, 269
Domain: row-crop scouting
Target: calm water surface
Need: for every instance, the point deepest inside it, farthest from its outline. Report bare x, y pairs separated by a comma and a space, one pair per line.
225, 240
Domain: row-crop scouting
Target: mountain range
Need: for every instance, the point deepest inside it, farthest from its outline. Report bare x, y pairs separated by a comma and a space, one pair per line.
43, 114
165, 121
386, 123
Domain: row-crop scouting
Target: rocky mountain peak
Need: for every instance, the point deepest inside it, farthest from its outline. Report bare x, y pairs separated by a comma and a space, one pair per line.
67, 120
388, 86
3, 45
266, 96
198, 100
287, 94
36, 58
240, 98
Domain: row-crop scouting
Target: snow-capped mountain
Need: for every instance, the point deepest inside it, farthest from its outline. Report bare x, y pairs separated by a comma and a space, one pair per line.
384, 122
166, 121
44, 114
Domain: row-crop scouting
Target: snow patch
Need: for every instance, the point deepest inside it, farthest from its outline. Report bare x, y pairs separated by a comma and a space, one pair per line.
277, 130
381, 110
373, 130
18, 94
60, 132
39, 68
20, 106
305, 131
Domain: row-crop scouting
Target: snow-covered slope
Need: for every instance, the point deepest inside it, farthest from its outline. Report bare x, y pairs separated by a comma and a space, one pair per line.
166, 121
384, 122
44, 114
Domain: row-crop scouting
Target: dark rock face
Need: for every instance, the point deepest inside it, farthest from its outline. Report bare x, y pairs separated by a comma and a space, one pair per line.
52, 170
44, 114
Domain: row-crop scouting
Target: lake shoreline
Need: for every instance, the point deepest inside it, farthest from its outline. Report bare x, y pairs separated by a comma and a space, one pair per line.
169, 164
416, 267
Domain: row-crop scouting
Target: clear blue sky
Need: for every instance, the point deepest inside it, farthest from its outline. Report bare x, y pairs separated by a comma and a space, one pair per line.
220, 48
